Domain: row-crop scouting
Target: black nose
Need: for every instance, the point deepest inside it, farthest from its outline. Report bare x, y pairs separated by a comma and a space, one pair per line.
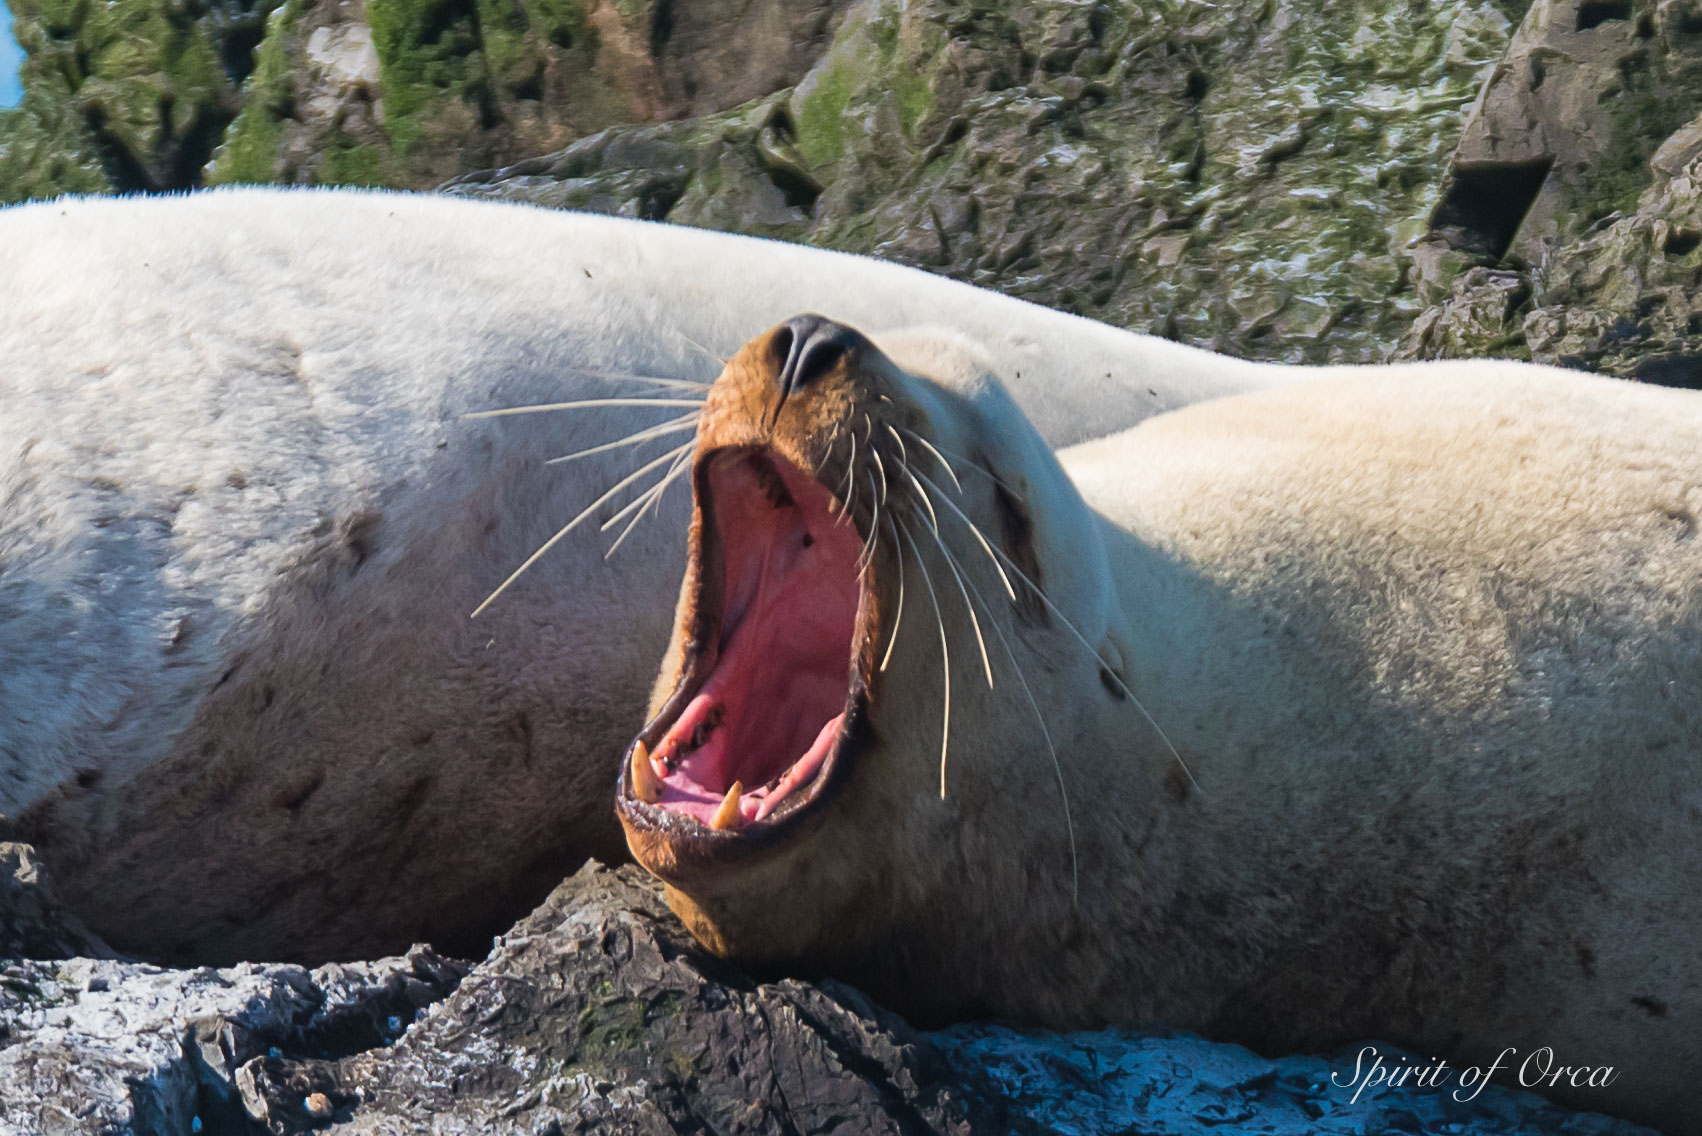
811, 346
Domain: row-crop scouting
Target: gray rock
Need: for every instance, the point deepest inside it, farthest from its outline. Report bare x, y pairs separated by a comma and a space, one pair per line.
1562, 131
32, 924
101, 1046
1246, 175
598, 1014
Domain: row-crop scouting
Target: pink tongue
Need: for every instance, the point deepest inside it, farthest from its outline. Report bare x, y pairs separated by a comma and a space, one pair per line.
681, 790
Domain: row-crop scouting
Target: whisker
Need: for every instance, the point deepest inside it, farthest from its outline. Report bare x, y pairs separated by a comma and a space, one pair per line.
939, 457
574, 523
867, 555
973, 466
945, 657
661, 430
898, 617
903, 453
978, 534
718, 358
641, 500
652, 497
933, 518
876, 454
1039, 720
848, 484
657, 380
583, 403
1104, 667
974, 620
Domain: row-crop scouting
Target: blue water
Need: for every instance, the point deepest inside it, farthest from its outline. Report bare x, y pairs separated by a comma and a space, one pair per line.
11, 56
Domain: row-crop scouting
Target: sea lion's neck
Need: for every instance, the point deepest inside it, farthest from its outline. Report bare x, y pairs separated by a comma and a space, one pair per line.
1192, 795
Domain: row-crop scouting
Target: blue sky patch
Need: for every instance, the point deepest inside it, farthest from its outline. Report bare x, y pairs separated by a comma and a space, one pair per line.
11, 58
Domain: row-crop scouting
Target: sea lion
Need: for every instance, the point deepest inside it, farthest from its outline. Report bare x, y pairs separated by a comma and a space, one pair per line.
1366, 709
243, 711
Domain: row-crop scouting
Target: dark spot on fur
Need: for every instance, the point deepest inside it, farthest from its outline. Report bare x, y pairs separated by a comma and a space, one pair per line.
1110, 682
1654, 1007
1682, 520
237, 480
88, 778
420, 738
1586, 961
1176, 785
358, 536
296, 796
521, 731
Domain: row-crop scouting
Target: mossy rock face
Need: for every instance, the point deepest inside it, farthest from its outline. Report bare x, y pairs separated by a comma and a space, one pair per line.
408, 93
46, 149
1245, 176
401, 93
1561, 136
731, 171
139, 90
1570, 222
1621, 298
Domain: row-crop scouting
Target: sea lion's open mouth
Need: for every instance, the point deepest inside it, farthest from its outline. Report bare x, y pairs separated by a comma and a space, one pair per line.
771, 682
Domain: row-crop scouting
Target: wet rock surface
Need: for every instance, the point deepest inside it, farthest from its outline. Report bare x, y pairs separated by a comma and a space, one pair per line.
597, 1013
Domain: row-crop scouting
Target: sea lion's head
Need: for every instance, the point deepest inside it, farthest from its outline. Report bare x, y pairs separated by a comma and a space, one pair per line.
893, 603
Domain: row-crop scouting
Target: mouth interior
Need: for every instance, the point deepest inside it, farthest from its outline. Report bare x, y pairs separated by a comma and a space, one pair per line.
767, 714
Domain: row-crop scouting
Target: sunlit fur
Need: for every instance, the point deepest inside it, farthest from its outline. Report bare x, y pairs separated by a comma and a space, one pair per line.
1389, 726
243, 709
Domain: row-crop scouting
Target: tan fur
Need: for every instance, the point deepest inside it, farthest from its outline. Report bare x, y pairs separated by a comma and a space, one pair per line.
1427, 642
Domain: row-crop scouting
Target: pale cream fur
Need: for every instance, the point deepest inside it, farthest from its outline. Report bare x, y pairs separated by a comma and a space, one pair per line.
243, 709
1425, 647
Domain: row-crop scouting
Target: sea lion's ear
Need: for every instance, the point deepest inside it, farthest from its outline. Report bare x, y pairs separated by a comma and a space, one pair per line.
1016, 537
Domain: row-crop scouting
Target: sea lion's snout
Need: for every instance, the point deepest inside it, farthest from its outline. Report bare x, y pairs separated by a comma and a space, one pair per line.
768, 676
810, 347
852, 534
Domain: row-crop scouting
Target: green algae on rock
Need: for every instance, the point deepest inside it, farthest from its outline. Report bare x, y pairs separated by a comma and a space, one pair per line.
1571, 206
123, 96
408, 93
1245, 176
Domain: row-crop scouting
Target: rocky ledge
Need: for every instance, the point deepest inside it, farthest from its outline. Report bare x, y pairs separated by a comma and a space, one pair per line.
597, 1013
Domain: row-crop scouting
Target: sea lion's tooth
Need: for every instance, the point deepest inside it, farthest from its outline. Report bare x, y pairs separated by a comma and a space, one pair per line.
776, 795
645, 784
728, 815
